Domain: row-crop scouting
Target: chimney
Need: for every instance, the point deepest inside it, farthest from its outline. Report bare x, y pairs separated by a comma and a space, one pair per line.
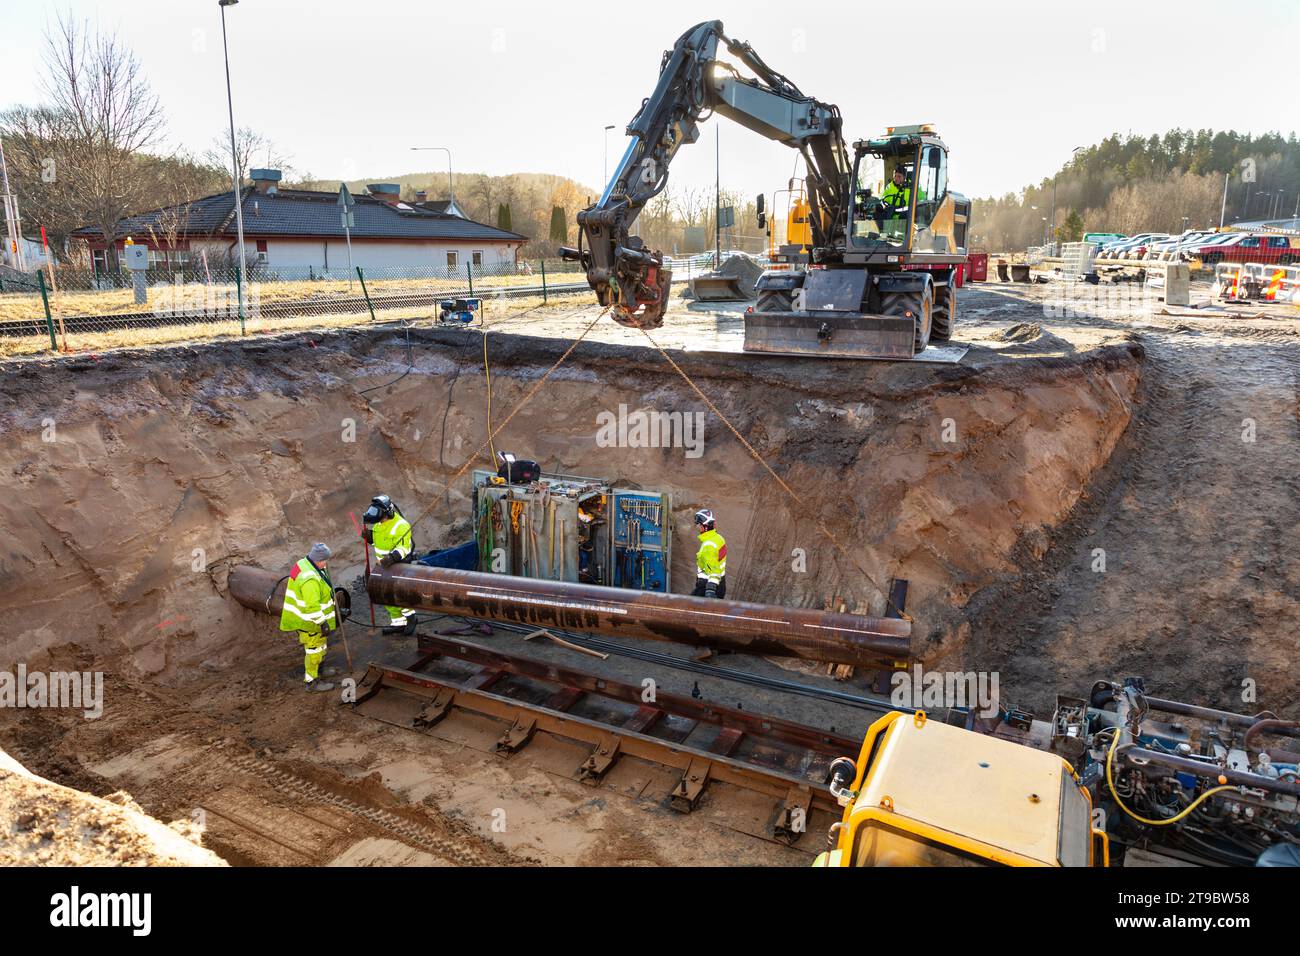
266, 181
421, 195
388, 192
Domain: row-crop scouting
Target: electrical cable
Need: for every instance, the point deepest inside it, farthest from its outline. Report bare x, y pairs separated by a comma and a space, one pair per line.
1110, 782
537, 386
410, 365
779, 480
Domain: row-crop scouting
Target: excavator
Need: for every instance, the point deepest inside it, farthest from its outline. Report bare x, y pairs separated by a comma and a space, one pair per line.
881, 275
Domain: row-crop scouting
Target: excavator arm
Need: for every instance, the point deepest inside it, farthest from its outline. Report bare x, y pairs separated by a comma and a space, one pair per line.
631, 279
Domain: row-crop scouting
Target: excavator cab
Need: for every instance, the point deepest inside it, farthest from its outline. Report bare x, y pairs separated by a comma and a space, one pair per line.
912, 213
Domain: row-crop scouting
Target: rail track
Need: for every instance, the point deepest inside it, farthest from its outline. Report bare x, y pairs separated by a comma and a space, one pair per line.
698, 742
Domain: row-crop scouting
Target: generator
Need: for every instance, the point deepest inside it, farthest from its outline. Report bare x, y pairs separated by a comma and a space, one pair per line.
570, 528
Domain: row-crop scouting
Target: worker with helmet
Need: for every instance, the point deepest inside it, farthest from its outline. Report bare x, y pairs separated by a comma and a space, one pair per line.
388, 530
896, 197
309, 610
711, 559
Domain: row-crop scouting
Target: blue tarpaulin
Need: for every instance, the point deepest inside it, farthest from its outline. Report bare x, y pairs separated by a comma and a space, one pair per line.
462, 557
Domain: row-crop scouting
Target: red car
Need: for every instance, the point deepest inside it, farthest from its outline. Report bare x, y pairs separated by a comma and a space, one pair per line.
1282, 250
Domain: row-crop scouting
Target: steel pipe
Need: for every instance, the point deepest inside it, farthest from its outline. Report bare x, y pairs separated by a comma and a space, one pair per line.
257, 589
701, 622
1138, 756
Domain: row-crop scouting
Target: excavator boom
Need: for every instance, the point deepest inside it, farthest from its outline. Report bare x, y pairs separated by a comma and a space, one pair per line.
633, 280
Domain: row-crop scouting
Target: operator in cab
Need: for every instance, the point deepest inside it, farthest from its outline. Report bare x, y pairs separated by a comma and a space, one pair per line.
896, 198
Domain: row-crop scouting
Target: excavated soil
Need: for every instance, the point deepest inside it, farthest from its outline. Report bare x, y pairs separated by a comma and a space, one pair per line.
133, 481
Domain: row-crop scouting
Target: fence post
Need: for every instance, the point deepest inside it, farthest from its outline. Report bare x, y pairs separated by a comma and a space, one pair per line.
49, 319
369, 305
543, 282
469, 271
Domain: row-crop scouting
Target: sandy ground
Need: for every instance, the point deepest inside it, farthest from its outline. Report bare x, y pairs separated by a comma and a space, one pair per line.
46, 824
1112, 428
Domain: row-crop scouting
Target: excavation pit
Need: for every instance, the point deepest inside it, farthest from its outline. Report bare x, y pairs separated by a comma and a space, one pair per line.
136, 480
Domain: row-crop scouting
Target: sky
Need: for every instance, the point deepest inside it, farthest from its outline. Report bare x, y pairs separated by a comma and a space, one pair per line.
345, 89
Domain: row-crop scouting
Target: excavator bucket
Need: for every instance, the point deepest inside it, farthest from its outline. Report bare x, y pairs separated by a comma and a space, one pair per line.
716, 287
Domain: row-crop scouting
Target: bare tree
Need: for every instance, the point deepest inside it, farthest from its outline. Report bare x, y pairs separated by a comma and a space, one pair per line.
177, 182
110, 114
253, 150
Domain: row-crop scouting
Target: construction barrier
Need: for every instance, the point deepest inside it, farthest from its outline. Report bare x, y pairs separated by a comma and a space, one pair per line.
1247, 281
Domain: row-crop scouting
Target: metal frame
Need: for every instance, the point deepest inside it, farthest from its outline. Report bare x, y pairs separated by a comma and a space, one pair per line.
797, 757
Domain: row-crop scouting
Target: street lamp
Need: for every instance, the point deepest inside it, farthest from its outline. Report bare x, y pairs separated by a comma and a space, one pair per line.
605, 181
234, 163
1073, 153
451, 186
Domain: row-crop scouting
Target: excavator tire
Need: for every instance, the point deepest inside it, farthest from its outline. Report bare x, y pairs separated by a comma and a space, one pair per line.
778, 300
945, 313
918, 305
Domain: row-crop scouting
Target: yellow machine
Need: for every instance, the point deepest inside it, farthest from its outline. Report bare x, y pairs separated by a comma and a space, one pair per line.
790, 237
923, 793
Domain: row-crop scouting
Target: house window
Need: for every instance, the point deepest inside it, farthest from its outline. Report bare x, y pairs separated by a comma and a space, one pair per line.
452, 261
261, 252
478, 257
100, 257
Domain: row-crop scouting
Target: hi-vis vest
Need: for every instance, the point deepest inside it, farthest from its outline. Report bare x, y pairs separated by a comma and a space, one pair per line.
898, 199
711, 559
308, 600
392, 535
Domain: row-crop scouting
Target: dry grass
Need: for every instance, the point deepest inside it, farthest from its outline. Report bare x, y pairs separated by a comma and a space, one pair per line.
27, 305
83, 342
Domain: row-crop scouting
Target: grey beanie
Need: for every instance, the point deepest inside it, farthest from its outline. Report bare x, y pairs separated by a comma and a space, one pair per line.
319, 552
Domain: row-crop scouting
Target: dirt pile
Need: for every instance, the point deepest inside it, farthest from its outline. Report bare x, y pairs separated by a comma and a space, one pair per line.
45, 824
745, 270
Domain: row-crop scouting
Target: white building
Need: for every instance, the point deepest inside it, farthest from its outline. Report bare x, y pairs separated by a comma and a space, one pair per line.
295, 234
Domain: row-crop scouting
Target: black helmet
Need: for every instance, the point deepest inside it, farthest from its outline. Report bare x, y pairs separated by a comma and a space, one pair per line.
705, 517
381, 509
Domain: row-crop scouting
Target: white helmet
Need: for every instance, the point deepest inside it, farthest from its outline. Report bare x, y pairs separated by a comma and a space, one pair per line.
705, 517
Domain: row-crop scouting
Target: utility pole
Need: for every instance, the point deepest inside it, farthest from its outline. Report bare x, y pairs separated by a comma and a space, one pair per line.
451, 185
717, 198
234, 165
1223, 207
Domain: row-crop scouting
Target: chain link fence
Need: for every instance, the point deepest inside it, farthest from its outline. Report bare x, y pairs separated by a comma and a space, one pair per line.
78, 309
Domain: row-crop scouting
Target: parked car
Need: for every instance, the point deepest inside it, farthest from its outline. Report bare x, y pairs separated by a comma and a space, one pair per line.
1280, 250
1207, 250
1244, 247
1178, 247
1136, 247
